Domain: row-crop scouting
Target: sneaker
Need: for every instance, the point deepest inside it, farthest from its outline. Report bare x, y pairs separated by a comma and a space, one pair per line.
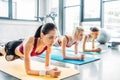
9, 57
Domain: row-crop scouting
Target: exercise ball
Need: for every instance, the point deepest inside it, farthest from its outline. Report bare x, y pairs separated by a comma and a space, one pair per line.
103, 36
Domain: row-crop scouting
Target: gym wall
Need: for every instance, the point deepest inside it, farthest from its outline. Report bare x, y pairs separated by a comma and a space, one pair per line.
12, 30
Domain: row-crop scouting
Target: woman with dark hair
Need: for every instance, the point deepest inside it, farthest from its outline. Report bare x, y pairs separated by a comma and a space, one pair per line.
34, 46
91, 37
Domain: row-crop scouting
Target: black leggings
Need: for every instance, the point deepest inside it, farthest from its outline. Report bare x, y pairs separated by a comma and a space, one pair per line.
10, 47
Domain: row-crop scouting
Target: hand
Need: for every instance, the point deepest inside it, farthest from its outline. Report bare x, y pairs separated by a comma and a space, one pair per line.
55, 68
81, 57
50, 68
98, 50
93, 47
54, 72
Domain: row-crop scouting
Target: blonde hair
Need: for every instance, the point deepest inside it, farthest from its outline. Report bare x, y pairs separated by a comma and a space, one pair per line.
76, 31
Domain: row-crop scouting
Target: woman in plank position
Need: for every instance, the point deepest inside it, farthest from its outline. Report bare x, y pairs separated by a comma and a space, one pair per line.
91, 37
34, 46
67, 41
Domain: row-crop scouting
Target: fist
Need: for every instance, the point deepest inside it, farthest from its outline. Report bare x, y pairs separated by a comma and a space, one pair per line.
98, 49
81, 57
54, 72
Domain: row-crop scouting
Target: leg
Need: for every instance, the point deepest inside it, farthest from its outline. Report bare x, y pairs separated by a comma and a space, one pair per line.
2, 52
10, 50
7, 57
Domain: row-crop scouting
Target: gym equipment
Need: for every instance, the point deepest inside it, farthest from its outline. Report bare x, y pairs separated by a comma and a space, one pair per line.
71, 50
103, 36
58, 57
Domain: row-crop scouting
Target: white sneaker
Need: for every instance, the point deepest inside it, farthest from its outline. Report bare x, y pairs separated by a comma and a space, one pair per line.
9, 57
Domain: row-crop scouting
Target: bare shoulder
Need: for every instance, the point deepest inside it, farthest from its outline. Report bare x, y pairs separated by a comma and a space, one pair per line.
86, 36
67, 37
29, 40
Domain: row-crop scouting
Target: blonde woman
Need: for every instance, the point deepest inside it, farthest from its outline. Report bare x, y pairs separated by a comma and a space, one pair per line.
67, 41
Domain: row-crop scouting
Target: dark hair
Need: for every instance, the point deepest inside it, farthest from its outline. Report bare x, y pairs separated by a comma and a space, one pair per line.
94, 29
44, 29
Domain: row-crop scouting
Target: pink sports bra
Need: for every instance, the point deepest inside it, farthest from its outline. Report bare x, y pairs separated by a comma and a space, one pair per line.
33, 53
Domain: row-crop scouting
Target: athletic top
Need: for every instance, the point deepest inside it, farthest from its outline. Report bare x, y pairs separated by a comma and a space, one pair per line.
33, 53
89, 38
69, 43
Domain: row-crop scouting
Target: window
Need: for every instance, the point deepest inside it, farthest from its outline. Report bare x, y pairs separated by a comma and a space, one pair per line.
91, 14
54, 11
3, 8
91, 9
88, 25
72, 15
24, 9
19, 9
112, 17
72, 2
71, 18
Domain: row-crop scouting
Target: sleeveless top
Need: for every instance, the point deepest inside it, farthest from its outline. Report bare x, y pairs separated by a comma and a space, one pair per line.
33, 53
69, 43
89, 38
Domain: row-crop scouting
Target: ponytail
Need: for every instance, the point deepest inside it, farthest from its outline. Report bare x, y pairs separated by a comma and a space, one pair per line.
37, 33
94, 29
44, 29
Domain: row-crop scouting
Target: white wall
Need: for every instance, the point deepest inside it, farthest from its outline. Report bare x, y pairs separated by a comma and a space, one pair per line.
12, 30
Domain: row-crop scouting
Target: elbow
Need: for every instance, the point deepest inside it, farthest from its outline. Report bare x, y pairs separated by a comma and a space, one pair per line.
47, 64
28, 72
83, 49
64, 57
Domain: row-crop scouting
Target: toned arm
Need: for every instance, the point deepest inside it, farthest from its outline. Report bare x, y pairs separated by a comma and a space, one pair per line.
47, 59
27, 50
84, 45
76, 48
64, 42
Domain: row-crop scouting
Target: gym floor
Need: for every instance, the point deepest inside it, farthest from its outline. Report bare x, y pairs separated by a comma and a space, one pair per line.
107, 68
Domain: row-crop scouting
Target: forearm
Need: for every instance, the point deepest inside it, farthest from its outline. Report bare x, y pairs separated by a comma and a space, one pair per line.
76, 48
70, 57
92, 50
87, 50
32, 72
93, 44
47, 63
37, 73
47, 59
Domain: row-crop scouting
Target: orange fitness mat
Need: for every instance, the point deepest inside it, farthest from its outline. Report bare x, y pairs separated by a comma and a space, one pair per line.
16, 68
